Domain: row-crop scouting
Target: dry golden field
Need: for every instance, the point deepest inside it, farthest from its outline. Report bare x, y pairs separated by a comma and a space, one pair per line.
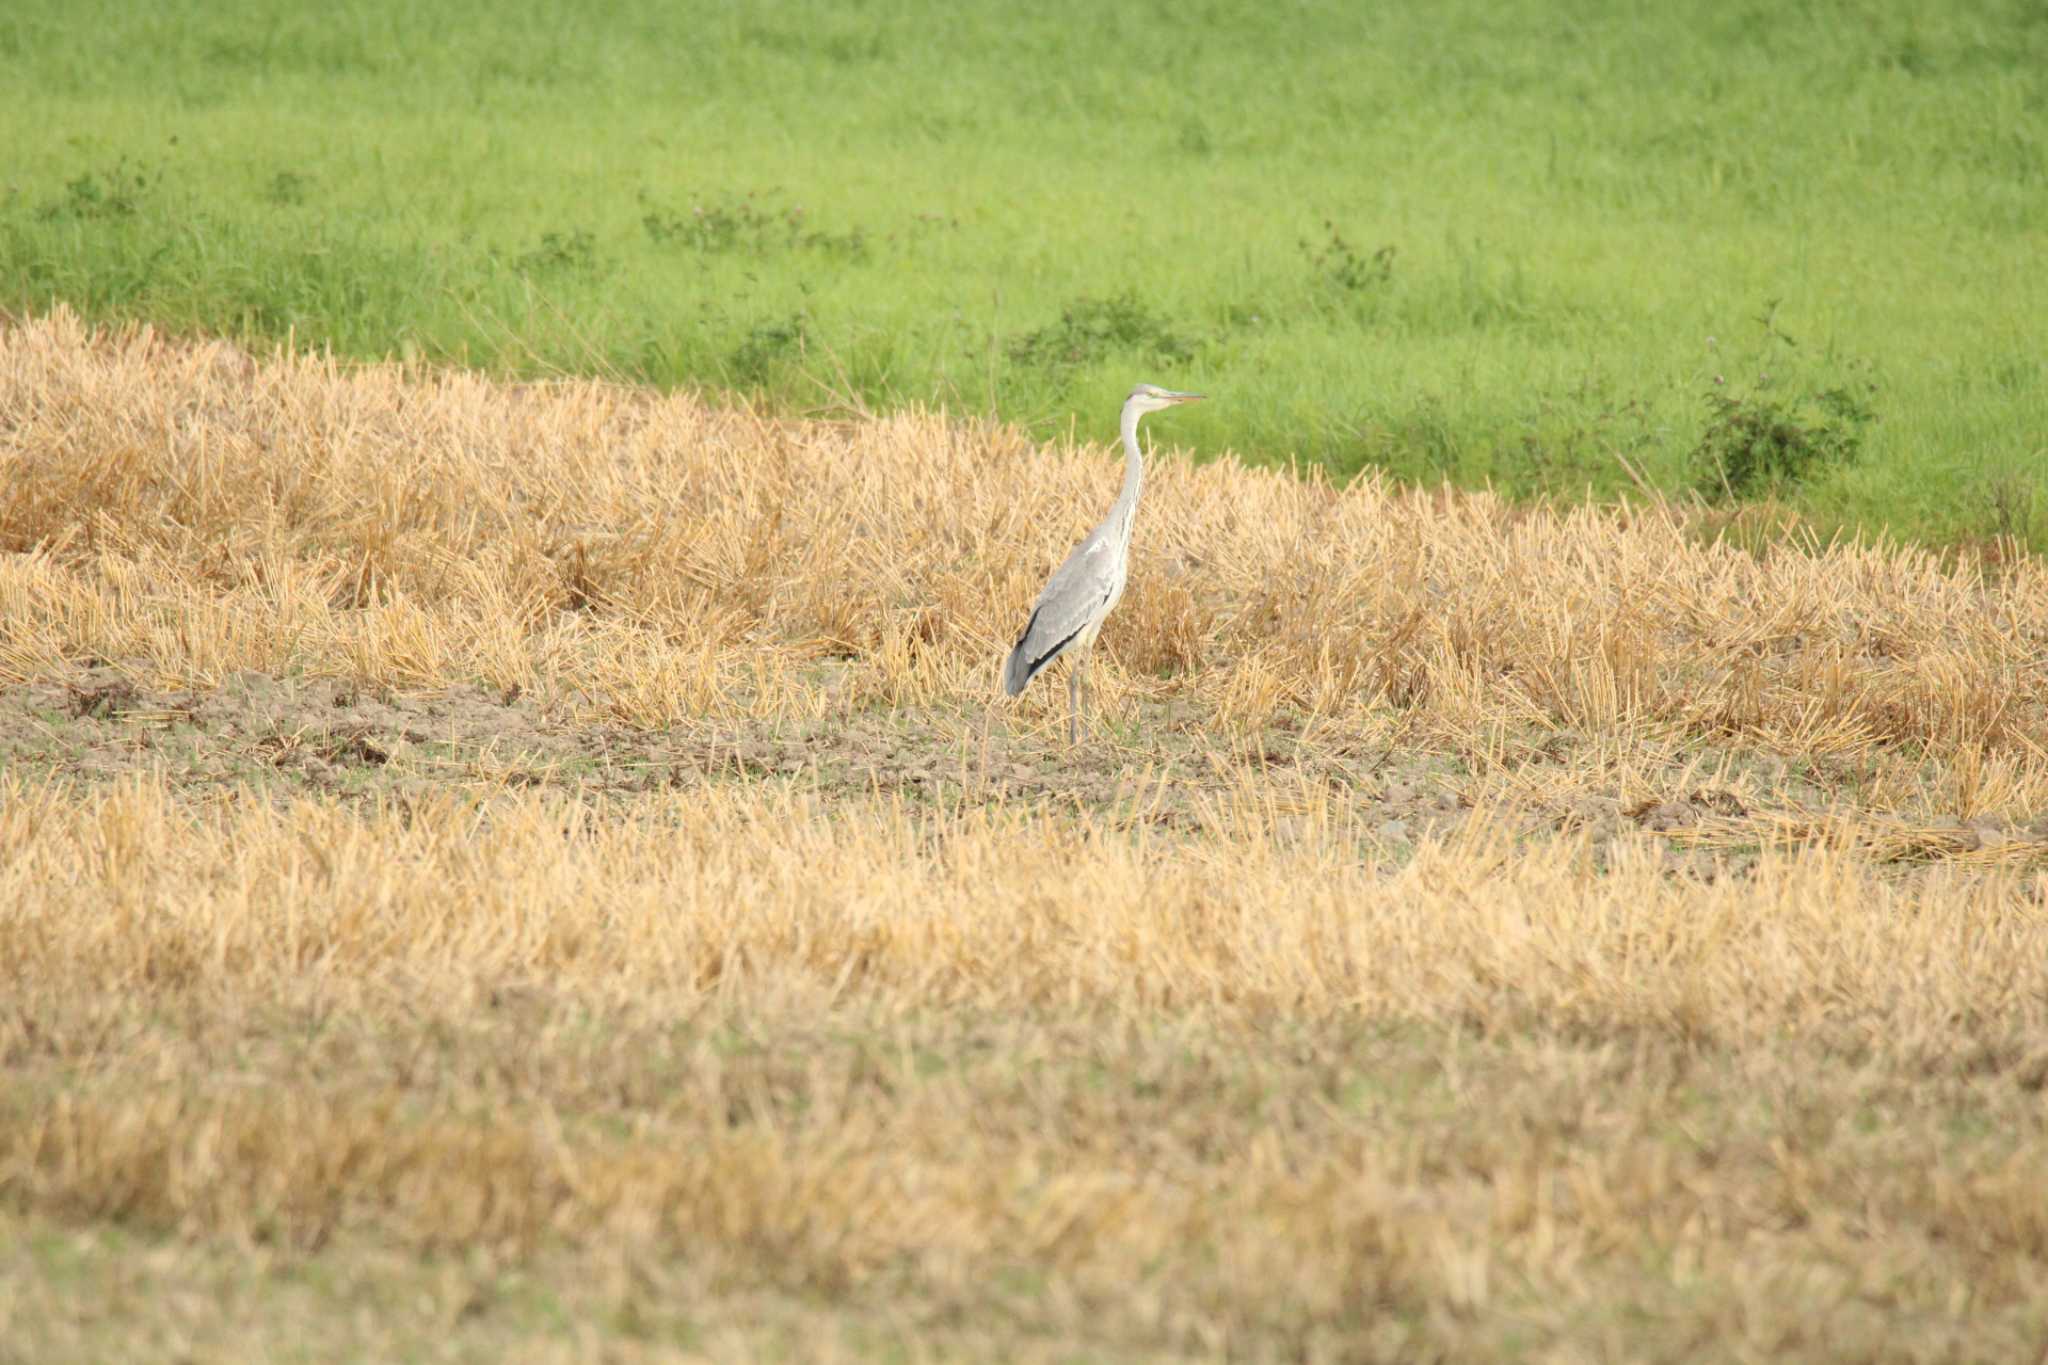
544, 871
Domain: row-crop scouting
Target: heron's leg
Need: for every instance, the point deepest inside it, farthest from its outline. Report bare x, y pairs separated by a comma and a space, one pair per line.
1074, 703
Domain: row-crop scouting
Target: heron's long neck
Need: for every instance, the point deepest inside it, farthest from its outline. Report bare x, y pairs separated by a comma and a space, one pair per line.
1126, 509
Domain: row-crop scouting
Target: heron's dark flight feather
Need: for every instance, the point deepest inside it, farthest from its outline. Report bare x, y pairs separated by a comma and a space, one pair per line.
1027, 661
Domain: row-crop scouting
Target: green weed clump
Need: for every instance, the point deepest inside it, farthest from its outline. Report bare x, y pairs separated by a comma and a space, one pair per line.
1091, 329
1348, 270
93, 196
1759, 442
745, 225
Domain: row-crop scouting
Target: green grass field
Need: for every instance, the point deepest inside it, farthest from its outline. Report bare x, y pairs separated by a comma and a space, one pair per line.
1533, 244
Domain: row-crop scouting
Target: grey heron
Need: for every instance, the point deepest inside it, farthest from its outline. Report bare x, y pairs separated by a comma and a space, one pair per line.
1081, 592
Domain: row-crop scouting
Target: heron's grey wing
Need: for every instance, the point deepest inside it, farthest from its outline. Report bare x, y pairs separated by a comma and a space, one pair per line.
1072, 597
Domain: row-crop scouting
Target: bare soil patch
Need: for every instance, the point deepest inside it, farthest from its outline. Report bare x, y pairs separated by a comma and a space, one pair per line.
294, 737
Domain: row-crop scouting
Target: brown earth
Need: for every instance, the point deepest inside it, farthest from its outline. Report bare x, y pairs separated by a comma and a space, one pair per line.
286, 738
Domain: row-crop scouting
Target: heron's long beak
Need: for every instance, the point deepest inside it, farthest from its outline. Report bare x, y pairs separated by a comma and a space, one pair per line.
1185, 397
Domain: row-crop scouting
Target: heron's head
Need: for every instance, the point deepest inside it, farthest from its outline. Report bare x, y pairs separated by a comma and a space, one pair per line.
1151, 398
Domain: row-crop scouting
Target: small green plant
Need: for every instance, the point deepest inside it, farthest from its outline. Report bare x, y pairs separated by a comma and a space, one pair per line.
1338, 263
287, 189
558, 251
1759, 440
766, 344
747, 227
99, 196
1090, 329
1580, 437
2010, 500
